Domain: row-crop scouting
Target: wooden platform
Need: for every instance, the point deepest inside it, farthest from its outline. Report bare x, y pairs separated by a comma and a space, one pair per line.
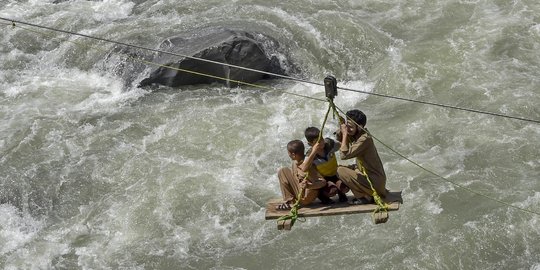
339, 208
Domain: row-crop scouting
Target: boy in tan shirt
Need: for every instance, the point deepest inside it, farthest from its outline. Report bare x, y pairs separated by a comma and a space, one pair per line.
293, 180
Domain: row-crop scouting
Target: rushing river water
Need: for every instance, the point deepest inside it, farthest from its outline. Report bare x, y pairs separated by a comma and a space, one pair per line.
98, 175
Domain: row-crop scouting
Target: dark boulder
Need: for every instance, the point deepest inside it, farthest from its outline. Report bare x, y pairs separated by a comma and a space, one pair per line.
250, 50
239, 48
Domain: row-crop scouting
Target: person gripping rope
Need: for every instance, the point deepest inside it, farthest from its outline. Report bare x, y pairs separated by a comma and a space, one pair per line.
293, 180
357, 143
326, 163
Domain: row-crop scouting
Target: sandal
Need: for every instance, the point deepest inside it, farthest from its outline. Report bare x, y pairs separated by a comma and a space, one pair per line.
284, 206
360, 201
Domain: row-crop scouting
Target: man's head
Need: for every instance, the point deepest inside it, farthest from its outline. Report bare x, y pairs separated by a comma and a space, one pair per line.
355, 117
296, 149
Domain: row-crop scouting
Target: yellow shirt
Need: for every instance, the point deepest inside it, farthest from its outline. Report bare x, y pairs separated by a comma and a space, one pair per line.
327, 164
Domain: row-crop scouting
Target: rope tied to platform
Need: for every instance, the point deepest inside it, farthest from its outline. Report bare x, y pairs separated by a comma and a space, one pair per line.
381, 205
293, 214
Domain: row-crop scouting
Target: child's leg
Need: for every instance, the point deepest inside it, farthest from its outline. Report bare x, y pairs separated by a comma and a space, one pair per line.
342, 189
311, 195
327, 192
288, 184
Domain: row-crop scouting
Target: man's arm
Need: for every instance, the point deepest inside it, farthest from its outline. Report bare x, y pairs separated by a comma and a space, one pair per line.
346, 151
354, 149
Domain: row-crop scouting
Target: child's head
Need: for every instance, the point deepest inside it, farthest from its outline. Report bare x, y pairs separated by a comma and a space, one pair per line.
312, 134
296, 149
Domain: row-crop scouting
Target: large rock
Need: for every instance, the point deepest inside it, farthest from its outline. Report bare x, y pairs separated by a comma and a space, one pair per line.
250, 50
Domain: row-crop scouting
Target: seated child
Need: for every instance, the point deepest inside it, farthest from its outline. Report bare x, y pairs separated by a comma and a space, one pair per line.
326, 163
292, 180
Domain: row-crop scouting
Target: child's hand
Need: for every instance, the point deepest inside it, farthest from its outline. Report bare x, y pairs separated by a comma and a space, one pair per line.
319, 146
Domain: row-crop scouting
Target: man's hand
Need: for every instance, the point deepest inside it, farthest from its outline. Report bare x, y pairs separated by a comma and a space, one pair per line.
343, 128
341, 120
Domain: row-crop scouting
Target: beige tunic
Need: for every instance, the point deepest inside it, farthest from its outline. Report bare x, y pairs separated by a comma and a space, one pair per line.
289, 182
363, 149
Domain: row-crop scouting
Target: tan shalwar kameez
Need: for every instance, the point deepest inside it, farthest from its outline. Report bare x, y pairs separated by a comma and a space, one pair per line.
289, 181
363, 149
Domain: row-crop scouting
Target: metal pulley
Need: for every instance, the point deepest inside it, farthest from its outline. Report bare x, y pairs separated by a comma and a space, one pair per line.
330, 86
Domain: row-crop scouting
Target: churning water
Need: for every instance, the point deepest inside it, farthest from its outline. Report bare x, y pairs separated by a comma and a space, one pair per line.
99, 175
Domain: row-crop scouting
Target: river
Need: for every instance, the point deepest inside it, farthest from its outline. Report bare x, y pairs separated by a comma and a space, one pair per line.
95, 174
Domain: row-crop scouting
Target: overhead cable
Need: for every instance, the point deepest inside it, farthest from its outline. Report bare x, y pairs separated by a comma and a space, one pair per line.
274, 74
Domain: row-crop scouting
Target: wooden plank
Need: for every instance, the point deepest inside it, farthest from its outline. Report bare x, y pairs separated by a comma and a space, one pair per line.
284, 224
380, 217
338, 208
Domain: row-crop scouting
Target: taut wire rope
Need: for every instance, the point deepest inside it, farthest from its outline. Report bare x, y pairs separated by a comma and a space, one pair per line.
171, 67
272, 74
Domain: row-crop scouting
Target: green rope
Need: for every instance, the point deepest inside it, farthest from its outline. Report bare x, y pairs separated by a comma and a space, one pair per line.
293, 214
381, 205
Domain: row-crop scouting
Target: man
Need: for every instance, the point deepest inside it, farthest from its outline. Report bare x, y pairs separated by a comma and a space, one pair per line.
357, 143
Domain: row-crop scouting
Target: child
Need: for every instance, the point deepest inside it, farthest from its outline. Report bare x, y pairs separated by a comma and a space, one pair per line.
293, 180
326, 163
